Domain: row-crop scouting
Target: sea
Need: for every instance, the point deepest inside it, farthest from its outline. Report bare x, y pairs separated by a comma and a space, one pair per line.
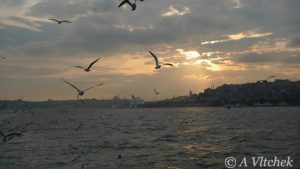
148, 138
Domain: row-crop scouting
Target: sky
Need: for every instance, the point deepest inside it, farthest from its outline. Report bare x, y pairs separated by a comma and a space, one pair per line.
210, 42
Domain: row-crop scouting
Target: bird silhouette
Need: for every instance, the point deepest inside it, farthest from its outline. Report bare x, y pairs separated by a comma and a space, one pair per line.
157, 65
75, 158
133, 5
156, 92
81, 92
60, 21
89, 67
269, 77
80, 125
9, 136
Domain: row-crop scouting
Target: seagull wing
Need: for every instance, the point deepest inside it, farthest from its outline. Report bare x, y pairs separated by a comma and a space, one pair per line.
10, 136
54, 20
93, 63
71, 85
122, 3
270, 77
75, 159
79, 67
155, 57
80, 125
66, 21
94, 86
169, 64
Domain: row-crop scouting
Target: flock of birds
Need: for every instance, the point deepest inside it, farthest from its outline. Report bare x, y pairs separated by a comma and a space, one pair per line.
80, 92
88, 69
158, 65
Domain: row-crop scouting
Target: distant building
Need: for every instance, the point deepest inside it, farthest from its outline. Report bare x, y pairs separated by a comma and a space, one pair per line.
116, 102
136, 102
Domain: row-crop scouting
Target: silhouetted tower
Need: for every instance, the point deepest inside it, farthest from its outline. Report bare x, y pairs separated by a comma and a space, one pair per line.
191, 93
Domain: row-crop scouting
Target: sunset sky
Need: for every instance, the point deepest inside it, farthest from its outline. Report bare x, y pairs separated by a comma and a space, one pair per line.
210, 42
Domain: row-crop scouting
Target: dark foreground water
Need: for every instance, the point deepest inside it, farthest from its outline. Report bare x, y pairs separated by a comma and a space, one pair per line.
175, 138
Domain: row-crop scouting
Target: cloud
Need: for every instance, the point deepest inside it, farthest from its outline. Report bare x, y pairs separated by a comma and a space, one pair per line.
189, 54
238, 36
172, 11
12, 3
21, 22
210, 41
281, 58
254, 58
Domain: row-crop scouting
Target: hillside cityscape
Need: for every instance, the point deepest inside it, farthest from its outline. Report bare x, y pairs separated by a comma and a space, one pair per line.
260, 93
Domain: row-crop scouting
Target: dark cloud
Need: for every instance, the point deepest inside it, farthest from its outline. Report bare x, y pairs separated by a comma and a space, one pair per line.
254, 58
281, 57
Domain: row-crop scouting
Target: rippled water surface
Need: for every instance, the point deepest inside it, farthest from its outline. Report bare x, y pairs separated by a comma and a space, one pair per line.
171, 138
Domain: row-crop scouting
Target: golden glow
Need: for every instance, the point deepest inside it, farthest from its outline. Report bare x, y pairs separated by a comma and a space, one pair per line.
238, 36
189, 54
250, 34
172, 11
209, 65
196, 77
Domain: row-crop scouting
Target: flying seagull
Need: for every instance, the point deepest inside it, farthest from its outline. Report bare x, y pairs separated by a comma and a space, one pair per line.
72, 147
63, 111
81, 92
9, 136
75, 158
133, 5
270, 77
60, 21
89, 67
80, 125
156, 92
157, 63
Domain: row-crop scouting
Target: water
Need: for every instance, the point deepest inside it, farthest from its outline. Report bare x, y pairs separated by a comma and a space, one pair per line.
171, 138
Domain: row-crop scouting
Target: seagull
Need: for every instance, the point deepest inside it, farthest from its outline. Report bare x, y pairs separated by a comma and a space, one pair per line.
157, 63
133, 5
156, 92
80, 125
89, 67
16, 110
75, 159
9, 136
81, 92
266, 80
63, 111
72, 147
270, 77
59, 22
2, 57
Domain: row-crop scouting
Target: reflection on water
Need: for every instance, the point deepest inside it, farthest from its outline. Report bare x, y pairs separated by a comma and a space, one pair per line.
176, 138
